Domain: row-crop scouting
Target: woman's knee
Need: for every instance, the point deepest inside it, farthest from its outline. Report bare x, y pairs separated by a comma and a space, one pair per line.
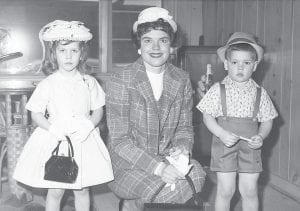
198, 175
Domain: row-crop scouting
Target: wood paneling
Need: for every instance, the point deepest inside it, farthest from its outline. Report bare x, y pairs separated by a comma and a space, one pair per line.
277, 25
188, 15
294, 169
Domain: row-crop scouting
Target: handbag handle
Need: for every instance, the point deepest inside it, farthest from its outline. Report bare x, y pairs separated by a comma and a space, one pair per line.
70, 148
191, 184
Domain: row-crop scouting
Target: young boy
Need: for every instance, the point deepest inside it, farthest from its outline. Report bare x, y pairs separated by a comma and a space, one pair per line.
240, 115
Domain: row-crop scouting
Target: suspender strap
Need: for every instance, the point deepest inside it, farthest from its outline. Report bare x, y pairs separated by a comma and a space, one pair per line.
223, 99
257, 102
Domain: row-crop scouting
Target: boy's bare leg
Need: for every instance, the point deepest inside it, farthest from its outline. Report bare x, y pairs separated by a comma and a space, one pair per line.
248, 190
225, 190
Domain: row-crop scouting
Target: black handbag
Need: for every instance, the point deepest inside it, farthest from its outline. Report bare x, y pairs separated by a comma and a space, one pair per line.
62, 168
194, 204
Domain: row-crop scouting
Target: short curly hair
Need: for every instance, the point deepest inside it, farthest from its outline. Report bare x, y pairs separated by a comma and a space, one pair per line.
160, 24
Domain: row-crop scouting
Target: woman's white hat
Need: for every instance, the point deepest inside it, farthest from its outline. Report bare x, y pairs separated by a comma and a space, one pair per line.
153, 14
241, 37
65, 30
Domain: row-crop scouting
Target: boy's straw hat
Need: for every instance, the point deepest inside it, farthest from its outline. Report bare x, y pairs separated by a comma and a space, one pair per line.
152, 14
241, 37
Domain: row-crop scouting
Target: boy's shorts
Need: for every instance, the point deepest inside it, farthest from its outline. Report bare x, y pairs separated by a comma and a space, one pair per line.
238, 158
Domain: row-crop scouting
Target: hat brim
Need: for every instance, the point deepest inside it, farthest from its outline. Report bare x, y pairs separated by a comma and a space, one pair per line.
171, 22
259, 50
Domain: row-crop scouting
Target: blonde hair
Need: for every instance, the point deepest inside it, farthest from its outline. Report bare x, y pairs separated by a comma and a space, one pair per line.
49, 64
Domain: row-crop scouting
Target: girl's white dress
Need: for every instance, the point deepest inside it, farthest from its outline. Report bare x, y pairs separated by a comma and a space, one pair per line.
68, 101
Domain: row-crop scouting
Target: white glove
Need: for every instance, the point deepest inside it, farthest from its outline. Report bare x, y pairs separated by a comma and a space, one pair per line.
81, 130
57, 132
181, 163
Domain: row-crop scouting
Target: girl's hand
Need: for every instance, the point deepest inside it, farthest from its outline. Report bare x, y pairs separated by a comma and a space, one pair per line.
256, 143
170, 174
57, 132
81, 129
229, 139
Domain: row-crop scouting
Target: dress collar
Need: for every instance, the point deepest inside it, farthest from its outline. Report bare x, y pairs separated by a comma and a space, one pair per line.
76, 77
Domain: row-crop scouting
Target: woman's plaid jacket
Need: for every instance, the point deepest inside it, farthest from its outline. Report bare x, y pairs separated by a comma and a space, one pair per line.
142, 130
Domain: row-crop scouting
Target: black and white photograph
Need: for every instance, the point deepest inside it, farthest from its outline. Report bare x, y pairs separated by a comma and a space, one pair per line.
149, 105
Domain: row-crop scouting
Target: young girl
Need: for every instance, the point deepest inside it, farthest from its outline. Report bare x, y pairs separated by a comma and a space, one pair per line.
73, 101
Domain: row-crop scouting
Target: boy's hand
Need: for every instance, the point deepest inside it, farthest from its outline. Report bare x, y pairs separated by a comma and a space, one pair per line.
256, 143
229, 139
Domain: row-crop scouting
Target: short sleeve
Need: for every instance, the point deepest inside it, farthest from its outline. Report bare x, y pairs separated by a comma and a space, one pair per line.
97, 94
211, 102
267, 109
40, 98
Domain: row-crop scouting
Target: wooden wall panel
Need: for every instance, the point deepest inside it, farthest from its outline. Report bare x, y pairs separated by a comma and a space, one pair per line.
188, 15
260, 28
272, 76
210, 22
228, 20
220, 22
249, 16
285, 103
295, 99
238, 14
196, 29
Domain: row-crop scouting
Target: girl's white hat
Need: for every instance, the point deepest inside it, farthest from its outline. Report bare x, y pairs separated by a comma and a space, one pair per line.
65, 30
153, 14
241, 37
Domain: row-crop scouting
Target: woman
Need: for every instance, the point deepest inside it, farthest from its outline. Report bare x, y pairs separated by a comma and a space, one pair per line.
149, 118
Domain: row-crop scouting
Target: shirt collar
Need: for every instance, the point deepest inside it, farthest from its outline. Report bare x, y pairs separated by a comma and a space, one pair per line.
247, 85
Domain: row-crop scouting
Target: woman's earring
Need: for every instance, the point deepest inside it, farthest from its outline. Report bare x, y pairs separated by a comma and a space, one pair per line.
172, 50
139, 51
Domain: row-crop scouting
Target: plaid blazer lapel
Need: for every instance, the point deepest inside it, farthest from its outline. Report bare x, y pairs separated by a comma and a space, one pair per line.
171, 87
143, 86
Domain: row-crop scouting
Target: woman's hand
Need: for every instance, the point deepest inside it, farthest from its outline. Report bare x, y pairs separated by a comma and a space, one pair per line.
176, 151
229, 139
256, 143
170, 174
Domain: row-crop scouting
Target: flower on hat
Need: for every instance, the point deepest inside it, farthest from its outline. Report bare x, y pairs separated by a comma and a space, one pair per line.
153, 14
65, 30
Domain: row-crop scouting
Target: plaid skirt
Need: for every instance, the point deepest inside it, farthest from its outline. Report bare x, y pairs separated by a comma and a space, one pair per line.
139, 185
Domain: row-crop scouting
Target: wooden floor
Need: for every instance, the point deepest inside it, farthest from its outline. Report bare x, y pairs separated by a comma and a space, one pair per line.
105, 200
